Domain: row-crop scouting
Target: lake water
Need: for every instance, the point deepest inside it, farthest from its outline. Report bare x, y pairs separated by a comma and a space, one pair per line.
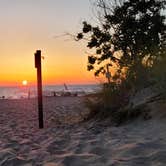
49, 90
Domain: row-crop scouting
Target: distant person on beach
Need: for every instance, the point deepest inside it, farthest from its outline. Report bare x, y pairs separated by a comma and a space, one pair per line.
54, 94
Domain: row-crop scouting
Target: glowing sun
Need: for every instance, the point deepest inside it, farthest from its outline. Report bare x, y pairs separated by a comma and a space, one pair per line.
24, 82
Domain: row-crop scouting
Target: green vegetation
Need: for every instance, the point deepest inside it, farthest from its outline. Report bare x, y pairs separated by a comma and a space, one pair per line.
113, 103
158, 74
129, 48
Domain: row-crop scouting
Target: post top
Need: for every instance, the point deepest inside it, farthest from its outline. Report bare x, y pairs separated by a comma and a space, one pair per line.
37, 58
38, 51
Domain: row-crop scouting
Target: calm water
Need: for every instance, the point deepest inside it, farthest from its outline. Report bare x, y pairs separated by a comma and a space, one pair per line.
24, 92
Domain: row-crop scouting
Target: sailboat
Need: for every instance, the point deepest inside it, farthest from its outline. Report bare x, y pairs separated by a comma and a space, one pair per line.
67, 92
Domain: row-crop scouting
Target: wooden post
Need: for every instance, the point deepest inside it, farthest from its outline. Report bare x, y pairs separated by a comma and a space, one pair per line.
39, 87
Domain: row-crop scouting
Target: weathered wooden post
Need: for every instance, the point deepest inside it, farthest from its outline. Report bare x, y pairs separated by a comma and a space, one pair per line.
39, 87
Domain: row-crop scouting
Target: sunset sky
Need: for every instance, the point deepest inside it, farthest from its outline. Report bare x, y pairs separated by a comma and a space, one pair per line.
28, 25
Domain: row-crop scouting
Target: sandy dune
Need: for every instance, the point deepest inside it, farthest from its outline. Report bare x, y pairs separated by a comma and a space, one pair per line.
66, 142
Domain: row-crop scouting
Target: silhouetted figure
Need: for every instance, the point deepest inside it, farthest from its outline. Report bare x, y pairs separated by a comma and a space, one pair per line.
29, 94
54, 94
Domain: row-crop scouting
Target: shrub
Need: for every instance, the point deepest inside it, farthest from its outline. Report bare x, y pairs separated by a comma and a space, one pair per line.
159, 74
113, 102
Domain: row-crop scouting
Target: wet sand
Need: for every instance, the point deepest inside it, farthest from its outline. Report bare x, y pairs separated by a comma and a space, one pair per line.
66, 141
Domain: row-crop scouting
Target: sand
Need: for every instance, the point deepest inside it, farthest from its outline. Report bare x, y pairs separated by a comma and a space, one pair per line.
67, 141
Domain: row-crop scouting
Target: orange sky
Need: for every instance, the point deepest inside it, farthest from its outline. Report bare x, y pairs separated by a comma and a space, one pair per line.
29, 25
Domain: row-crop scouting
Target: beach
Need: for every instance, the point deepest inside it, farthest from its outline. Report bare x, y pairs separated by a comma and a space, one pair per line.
68, 140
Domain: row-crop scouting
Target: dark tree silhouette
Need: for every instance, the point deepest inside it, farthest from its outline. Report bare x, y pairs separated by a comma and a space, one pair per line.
134, 29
